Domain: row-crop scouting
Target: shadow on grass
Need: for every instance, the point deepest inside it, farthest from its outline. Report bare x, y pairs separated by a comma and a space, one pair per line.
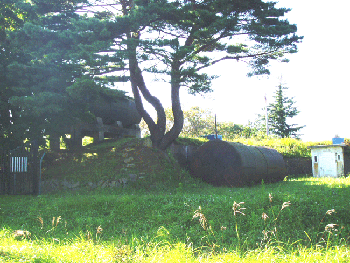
128, 214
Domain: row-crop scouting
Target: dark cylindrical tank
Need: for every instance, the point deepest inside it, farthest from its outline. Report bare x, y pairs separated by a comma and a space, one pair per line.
234, 164
123, 110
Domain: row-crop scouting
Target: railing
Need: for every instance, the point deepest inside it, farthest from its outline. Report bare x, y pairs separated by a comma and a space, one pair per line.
19, 164
18, 171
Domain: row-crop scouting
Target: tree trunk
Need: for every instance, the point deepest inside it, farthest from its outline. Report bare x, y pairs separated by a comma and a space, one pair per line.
139, 88
159, 138
174, 132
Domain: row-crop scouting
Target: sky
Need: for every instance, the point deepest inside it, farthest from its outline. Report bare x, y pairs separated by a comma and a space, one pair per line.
317, 76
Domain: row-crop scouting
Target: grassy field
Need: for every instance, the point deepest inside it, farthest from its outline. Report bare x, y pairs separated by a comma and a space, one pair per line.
167, 216
305, 219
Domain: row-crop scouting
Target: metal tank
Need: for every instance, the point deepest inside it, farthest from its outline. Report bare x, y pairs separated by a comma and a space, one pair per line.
123, 110
235, 164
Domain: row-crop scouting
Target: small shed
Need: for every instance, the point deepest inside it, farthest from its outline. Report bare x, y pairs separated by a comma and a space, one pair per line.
327, 160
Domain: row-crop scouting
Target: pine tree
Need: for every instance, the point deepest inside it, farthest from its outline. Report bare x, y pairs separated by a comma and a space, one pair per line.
179, 39
51, 67
279, 112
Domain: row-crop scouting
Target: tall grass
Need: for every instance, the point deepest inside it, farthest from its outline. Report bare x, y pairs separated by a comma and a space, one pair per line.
288, 147
304, 219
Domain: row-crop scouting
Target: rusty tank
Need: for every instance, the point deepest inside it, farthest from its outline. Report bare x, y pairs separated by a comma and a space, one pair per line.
234, 164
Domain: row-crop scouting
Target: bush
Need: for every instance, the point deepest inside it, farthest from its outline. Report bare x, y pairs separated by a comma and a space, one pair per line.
288, 147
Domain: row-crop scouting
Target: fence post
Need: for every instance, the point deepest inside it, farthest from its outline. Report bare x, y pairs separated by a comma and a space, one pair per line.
35, 166
3, 171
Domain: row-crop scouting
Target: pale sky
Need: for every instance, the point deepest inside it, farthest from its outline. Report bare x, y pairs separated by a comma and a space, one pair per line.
317, 76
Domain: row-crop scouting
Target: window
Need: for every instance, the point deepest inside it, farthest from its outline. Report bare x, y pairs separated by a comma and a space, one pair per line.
315, 159
337, 157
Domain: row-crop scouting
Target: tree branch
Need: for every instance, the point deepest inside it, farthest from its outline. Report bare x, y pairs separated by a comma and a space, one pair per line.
236, 58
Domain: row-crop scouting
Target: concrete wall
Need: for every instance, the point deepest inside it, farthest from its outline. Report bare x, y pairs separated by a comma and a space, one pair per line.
183, 154
297, 166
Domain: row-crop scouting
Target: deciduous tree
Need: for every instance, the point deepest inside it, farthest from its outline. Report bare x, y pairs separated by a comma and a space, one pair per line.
231, 131
200, 122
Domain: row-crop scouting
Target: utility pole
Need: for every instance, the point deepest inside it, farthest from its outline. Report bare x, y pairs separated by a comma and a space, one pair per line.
266, 117
216, 130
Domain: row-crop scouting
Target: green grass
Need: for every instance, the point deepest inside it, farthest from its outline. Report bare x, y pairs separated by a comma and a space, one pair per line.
186, 222
171, 217
288, 147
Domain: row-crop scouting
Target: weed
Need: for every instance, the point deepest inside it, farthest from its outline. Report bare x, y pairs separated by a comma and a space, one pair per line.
330, 231
270, 232
237, 210
202, 220
209, 239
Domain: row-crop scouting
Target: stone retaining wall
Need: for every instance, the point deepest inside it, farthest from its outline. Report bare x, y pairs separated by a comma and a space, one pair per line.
54, 185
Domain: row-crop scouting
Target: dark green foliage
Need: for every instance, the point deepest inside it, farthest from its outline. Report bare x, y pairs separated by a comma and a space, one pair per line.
279, 112
208, 26
231, 131
189, 36
51, 68
12, 15
51, 48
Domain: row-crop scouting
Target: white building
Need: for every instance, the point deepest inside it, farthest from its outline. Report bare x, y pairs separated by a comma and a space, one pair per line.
327, 160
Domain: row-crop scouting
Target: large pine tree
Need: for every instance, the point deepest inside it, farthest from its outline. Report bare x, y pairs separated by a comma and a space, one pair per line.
181, 38
60, 52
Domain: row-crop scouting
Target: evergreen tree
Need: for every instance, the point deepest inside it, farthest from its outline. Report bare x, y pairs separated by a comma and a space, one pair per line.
56, 59
279, 112
51, 67
13, 14
180, 38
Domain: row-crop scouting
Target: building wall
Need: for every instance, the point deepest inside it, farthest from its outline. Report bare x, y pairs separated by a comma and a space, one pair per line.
327, 161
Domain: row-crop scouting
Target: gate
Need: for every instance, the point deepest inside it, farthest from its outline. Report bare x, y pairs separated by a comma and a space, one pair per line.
18, 171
